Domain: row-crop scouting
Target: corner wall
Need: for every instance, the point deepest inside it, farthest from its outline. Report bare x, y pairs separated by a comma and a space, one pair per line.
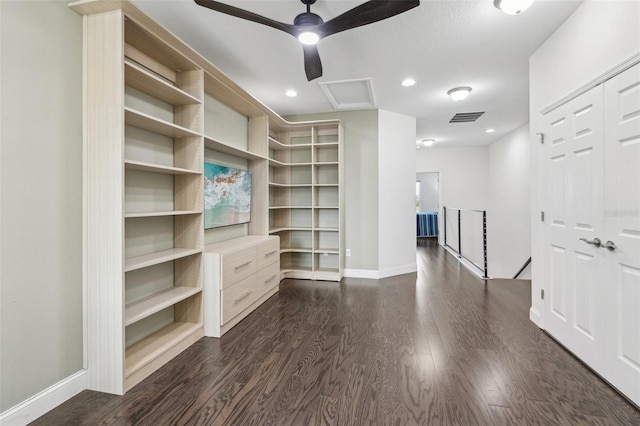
509, 217
396, 194
41, 198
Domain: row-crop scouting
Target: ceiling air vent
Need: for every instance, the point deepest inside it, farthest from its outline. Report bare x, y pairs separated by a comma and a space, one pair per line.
466, 117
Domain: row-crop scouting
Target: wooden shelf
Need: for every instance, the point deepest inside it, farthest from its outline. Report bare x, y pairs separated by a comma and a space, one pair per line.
231, 150
276, 163
289, 207
295, 250
140, 262
290, 185
326, 229
292, 228
277, 145
155, 168
326, 185
326, 251
326, 144
142, 308
140, 78
165, 213
147, 122
326, 163
148, 349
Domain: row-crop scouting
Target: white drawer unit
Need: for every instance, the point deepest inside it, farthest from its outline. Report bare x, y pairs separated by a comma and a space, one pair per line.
239, 275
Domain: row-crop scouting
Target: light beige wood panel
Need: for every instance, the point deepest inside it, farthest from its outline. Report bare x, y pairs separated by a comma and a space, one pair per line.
146, 122
151, 64
269, 278
238, 297
268, 252
238, 265
258, 135
149, 167
104, 175
156, 302
151, 353
140, 262
148, 82
259, 224
163, 213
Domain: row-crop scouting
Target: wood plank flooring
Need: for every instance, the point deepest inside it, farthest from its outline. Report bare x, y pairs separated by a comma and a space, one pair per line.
436, 348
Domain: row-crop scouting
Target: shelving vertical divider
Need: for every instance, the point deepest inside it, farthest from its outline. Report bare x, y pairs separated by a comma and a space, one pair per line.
104, 177
258, 143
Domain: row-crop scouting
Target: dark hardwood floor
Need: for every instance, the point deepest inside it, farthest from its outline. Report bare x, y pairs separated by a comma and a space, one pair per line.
437, 348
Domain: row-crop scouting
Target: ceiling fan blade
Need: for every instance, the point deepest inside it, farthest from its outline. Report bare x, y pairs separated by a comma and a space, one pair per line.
245, 14
367, 13
312, 64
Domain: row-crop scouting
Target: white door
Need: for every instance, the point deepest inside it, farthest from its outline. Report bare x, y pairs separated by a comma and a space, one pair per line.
622, 227
573, 171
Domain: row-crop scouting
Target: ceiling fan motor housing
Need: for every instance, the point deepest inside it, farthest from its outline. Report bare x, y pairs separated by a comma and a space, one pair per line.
307, 19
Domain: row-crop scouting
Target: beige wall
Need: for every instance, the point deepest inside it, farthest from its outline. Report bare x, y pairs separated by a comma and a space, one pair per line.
41, 197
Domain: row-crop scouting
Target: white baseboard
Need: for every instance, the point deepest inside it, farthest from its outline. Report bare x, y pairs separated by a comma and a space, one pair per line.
360, 273
398, 270
384, 273
45, 401
534, 316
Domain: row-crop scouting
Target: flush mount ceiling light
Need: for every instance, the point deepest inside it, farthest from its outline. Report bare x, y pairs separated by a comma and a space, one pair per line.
459, 93
408, 82
424, 143
490, 130
291, 93
512, 7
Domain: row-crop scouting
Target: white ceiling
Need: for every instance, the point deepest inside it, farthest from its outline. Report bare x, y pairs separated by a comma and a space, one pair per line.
440, 44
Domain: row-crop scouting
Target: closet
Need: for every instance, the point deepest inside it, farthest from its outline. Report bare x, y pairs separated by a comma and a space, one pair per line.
591, 235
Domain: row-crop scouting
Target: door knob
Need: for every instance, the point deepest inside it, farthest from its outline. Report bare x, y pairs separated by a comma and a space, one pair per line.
595, 242
609, 245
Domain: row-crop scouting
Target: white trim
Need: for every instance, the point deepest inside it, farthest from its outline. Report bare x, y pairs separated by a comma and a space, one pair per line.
470, 266
535, 317
623, 66
376, 275
360, 273
45, 401
398, 270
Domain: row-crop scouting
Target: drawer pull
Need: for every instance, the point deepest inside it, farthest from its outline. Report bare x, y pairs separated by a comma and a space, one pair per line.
243, 265
270, 279
244, 296
270, 253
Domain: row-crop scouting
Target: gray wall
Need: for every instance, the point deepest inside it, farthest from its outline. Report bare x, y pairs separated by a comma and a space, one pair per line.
360, 184
40, 197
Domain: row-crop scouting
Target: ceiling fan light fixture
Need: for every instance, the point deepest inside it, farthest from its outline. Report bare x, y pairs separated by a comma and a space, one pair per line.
309, 38
459, 93
513, 7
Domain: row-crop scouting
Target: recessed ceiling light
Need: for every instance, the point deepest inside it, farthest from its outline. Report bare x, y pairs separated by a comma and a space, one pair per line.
513, 7
428, 142
408, 82
291, 93
459, 93
490, 130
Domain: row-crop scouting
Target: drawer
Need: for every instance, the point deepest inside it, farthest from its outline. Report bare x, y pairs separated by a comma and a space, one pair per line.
268, 252
237, 298
268, 278
238, 265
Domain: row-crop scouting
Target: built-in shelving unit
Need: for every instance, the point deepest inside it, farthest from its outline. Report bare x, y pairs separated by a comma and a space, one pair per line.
153, 109
305, 199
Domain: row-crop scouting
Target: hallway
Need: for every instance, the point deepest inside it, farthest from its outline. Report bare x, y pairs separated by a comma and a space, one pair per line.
440, 349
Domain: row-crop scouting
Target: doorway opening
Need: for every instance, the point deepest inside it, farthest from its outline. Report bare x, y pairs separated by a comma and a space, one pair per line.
427, 205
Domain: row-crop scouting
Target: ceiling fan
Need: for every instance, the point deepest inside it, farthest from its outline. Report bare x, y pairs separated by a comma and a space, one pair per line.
309, 28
